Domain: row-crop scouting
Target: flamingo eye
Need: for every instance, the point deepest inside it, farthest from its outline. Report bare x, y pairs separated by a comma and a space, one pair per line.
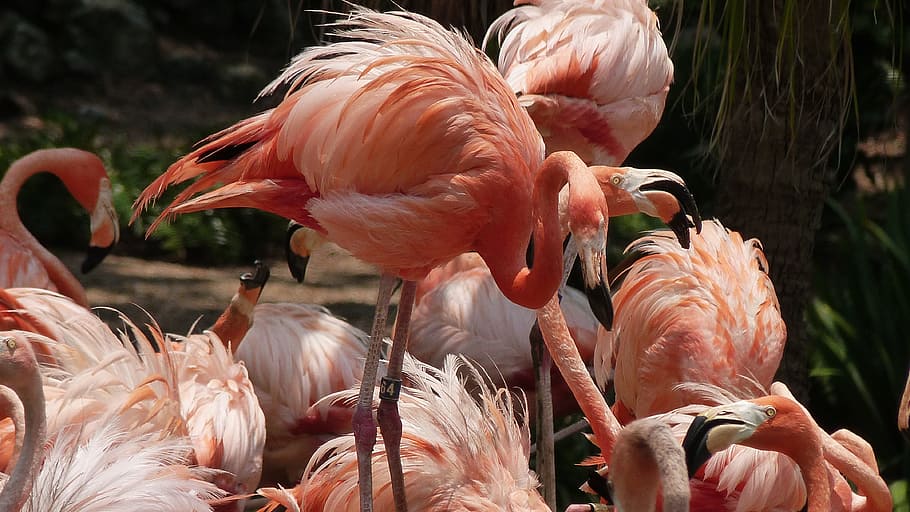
770, 412
10, 343
616, 180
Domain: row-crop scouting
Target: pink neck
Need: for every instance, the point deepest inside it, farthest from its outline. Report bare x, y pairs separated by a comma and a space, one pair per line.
565, 354
532, 287
18, 487
815, 474
55, 162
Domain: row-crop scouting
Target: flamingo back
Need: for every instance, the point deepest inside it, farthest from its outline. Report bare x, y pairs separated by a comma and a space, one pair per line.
708, 314
296, 354
221, 410
116, 469
594, 75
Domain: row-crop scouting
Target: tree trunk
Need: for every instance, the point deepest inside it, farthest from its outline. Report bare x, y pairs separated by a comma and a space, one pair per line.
774, 172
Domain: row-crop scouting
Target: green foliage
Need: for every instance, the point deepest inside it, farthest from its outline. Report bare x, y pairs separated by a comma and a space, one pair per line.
220, 237
861, 354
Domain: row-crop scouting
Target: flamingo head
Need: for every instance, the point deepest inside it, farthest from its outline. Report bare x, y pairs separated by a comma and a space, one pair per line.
86, 179
252, 283
720, 427
300, 242
654, 192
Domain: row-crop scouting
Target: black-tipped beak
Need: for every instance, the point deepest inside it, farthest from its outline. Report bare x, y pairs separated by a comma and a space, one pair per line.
680, 222
601, 303
695, 444
94, 256
257, 279
680, 225
296, 263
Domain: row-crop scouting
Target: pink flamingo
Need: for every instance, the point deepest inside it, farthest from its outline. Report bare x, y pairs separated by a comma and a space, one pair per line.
779, 423
462, 450
294, 354
708, 314
187, 389
467, 174
593, 74
459, 310
23, 260
82, 470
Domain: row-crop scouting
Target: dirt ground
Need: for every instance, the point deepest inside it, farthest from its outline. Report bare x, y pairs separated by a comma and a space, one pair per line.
176, 296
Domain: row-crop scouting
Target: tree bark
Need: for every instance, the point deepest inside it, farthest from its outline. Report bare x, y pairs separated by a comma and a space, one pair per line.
774, 172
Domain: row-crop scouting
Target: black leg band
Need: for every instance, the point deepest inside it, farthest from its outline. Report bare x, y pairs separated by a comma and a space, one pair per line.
389, 389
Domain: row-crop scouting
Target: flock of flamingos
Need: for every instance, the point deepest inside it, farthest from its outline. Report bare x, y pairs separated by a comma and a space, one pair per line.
405, 145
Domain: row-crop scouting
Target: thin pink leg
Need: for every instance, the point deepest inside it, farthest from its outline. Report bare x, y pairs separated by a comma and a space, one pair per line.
389, 419
362, 423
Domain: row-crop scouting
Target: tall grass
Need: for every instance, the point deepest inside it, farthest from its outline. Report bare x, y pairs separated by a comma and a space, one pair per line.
858, 321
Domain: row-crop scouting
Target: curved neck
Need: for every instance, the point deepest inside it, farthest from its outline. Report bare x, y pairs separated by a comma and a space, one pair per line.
17, 488
864, 475
22, 169
11, 407
533, 287
565, 355
647, 456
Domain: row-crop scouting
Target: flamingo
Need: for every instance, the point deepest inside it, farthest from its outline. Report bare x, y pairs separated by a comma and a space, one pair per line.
459, 310
23, 260
462, 450
104, 469
190, 388
294, 354
779, 423
708, 314
593, 74
467, 174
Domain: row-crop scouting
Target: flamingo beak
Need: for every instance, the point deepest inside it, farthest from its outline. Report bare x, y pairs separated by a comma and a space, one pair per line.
94, 256
105, 228
296, 250
593, 263
719, 428
669, 183
257, 279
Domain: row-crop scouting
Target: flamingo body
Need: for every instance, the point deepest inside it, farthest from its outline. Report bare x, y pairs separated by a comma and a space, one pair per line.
593, 74
295, 355
708, 314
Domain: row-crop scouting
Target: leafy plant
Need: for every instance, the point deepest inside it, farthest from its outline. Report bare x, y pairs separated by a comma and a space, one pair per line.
861, 353
220, 237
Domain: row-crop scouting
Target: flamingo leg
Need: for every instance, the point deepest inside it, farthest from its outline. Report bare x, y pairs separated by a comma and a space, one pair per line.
546, 464
363, 425
389, 419
546, 458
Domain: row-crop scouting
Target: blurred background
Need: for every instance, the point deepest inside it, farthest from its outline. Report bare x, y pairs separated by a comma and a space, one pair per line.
788, 119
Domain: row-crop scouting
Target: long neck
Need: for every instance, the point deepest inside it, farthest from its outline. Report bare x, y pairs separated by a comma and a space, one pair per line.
236, 319
532, 287
863, 474
815, 474
647, 456
12, 182
17, 488
565, 355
